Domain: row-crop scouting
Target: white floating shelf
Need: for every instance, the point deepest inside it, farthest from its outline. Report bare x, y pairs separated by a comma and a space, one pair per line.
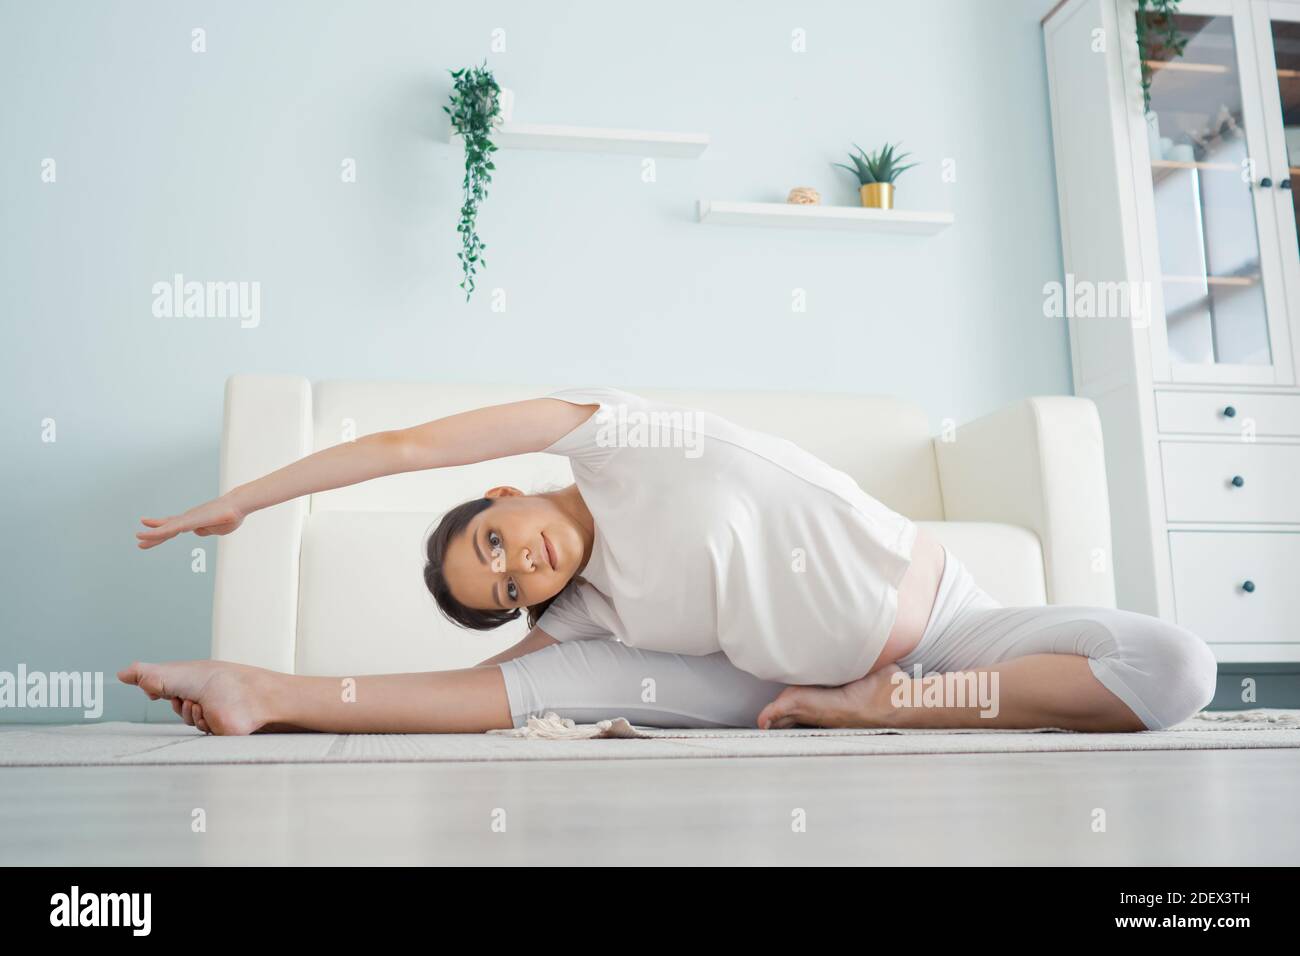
594, 139
796, 216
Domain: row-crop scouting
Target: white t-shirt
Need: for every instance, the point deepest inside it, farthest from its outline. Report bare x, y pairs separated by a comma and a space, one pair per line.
712, 537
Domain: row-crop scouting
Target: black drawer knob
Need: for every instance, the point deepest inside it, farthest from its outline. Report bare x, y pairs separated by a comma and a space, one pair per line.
1266, 182
1229, 412
1284, 184
1248, 587
1238, 481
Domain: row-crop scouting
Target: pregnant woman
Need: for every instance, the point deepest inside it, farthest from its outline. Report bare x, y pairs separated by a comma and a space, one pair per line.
696, 574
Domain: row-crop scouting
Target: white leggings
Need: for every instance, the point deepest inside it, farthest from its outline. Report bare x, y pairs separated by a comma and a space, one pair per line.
1164, 673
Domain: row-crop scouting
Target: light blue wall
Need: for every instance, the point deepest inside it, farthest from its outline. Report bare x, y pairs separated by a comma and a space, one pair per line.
226, 166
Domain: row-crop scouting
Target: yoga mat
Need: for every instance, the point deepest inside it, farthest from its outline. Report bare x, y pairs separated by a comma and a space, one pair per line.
119, 743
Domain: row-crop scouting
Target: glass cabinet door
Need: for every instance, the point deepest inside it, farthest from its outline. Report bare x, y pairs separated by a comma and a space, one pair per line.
1277, 29
1220, 270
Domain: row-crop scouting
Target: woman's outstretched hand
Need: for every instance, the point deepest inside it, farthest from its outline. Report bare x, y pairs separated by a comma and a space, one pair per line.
219, 516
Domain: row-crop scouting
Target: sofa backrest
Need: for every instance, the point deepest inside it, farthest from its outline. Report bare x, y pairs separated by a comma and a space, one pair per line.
882, 443
333, 584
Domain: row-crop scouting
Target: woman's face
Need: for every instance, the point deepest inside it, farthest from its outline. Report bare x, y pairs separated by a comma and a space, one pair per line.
520, 551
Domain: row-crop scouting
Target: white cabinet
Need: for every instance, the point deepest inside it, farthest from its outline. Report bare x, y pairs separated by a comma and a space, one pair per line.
1229, 414
1231, 482
1238, 588
1182, 294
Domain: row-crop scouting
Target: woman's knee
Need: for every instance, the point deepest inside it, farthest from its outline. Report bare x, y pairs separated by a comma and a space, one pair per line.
1172, 671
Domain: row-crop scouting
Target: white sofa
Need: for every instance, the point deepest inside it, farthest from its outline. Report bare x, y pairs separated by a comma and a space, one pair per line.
332, 583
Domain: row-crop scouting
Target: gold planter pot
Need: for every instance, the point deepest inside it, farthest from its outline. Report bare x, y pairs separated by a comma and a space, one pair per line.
877, 195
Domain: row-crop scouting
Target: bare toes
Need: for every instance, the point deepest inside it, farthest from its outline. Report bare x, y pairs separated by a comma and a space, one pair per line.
782, 712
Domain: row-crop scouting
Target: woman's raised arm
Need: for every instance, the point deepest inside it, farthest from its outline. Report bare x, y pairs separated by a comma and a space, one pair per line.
497, 431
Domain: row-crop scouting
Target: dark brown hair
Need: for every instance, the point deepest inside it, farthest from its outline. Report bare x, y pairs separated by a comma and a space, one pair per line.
451, 526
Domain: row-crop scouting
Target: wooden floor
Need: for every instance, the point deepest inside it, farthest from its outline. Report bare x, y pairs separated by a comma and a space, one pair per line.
1162, 808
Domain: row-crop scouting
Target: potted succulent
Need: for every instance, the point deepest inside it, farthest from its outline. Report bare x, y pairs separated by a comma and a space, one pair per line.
475, 109
876, 174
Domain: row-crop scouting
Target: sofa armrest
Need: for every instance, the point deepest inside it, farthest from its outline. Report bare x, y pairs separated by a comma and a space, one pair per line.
267, 424
1039, 464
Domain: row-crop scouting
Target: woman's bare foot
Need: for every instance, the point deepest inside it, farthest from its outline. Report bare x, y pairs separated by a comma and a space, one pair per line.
214, 696
861, 703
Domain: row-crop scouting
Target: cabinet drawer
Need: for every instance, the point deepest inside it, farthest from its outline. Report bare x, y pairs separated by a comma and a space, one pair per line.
1228, 413
1199, 481
1213, 598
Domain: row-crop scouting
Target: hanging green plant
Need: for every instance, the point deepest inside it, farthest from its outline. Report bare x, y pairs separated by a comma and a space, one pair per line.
1155, 26
475, 104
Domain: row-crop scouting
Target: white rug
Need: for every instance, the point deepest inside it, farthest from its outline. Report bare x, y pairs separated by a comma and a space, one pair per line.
131, 744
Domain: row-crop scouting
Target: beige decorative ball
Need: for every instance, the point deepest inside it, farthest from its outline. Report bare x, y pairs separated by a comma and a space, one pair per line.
804, 196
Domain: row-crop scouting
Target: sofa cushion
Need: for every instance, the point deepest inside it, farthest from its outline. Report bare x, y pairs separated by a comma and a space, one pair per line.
1005, 560
363, 607
362, 604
